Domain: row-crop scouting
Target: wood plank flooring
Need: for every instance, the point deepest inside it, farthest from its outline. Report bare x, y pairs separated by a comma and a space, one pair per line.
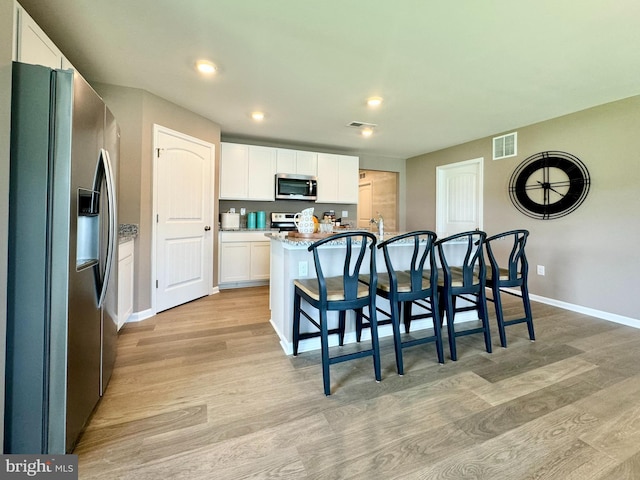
204, 391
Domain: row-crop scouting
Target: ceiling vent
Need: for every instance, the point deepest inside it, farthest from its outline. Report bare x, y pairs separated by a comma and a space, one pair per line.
505, 146
361, 124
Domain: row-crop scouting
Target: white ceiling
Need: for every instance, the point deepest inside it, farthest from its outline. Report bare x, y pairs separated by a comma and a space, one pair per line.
449, 71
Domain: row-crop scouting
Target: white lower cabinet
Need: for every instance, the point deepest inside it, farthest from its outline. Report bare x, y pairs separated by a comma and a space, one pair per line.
125, 281
243, 258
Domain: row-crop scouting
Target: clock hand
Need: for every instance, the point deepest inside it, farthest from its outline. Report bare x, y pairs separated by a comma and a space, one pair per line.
547, 186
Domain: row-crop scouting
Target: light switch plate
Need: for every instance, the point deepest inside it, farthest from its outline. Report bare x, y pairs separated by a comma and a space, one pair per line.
345, 213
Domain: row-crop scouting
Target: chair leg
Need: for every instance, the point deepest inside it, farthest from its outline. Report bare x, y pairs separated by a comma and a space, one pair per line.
324, 345
484, 317
341, 326
448, 303
375, 344
296, 322
497, 303
527, 311
359, 317
395, 322
407, 316
437, 330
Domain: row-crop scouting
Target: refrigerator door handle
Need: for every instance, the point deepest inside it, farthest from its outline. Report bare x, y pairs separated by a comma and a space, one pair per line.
112, 227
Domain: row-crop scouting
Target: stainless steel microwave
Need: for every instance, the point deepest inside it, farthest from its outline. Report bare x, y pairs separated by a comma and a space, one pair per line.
296, 187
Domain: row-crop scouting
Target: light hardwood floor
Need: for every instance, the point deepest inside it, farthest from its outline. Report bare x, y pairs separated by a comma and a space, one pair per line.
204, 391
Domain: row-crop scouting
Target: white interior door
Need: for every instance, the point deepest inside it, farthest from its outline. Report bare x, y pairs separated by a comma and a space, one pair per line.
365, 193
184, 218
459, 197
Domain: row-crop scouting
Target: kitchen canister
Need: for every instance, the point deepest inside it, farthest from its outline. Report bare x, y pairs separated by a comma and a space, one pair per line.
261, 219
251, 220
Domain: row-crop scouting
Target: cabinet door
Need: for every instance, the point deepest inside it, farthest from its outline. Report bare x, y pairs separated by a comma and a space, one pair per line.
34, 46
234, 171
348, 179
261, 171
260, 268
307, 163
285, 161
327, 178
125, 282
235, 262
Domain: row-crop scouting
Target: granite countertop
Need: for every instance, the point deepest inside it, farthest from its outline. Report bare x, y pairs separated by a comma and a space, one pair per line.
306, 242
248, 230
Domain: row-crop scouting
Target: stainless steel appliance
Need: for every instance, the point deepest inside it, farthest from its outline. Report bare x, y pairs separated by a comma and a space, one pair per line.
62, 276
283, 221
296, 187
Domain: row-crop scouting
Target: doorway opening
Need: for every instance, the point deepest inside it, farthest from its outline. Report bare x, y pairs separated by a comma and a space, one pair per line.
378, 195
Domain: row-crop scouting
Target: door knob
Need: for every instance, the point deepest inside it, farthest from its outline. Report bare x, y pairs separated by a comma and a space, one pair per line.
207, 228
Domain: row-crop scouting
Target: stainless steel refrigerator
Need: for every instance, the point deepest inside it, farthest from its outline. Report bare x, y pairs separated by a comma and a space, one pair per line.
62, 285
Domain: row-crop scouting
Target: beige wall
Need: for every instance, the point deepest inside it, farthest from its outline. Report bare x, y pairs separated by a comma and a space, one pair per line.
6, 43
590, 256
136, 112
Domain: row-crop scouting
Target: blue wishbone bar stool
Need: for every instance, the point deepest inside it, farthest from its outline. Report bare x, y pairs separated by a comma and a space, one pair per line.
339, 293
508, 271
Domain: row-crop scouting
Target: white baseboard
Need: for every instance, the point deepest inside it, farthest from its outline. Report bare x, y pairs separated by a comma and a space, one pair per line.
139, 316
612, 317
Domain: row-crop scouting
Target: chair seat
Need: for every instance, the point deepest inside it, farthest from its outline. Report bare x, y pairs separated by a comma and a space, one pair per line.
404, 281
504, 274
335, 291
457, 279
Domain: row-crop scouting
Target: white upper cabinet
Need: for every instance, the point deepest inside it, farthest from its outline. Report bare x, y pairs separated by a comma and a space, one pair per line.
262, 171
337, 178
247, 172
32, 45
285, 161
234, 171
297, 161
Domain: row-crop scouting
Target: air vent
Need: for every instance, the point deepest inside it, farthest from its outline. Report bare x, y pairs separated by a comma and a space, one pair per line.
505, 146
361, 124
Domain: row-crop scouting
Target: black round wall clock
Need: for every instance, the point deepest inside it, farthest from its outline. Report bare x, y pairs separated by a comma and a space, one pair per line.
549, 185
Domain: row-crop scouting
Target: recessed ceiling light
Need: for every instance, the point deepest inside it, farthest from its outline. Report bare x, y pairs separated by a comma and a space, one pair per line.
257, 116
205, 66
374, 101
367, 132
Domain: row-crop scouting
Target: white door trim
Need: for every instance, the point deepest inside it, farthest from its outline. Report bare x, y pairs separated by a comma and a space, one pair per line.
157, 129
440, 188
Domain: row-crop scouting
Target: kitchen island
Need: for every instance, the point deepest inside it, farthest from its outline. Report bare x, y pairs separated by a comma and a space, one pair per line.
291, 260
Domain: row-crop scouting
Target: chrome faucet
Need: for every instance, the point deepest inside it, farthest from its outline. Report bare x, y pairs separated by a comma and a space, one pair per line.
380, 224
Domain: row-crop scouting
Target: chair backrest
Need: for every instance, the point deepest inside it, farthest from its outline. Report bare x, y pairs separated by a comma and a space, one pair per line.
461, 257
351, 248
422, 258
515, 264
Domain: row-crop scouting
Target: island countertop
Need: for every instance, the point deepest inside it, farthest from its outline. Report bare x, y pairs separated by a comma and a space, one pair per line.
304, 243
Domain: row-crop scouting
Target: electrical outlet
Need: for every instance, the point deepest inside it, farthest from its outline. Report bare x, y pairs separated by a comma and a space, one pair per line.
345, 213
303, 269
540, 269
